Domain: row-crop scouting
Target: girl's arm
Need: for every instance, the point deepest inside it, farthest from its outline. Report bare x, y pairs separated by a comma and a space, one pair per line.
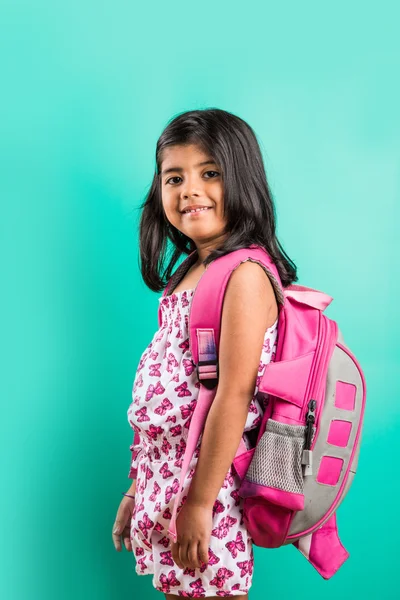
249, 308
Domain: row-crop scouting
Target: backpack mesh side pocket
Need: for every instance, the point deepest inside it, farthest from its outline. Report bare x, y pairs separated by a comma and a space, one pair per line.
276, 462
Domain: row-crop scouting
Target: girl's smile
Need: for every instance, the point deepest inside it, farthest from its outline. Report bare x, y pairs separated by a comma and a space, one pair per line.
199, 211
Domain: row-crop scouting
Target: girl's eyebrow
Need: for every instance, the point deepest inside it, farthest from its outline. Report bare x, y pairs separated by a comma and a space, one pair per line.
201, 164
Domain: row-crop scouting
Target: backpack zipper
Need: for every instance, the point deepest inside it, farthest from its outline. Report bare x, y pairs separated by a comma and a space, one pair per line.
328, 332
306, 458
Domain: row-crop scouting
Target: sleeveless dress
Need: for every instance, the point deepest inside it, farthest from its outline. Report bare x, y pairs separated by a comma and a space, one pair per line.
164, 395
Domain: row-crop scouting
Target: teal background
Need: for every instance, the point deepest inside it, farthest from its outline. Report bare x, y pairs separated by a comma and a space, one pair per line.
87, 88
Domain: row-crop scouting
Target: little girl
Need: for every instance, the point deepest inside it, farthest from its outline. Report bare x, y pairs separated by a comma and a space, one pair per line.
209, 197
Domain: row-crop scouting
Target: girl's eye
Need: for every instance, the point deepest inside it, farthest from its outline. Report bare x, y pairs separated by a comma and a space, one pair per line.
177, 176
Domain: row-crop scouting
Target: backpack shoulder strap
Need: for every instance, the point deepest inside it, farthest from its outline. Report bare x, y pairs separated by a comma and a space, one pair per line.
207, 301
204, 334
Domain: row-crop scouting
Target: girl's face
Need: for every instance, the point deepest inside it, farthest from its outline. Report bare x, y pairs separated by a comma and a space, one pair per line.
190, 177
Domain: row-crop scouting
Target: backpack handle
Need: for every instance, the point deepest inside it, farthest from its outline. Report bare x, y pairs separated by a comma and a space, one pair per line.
308, 296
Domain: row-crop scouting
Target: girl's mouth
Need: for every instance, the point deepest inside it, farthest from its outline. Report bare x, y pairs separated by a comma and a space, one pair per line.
197, 212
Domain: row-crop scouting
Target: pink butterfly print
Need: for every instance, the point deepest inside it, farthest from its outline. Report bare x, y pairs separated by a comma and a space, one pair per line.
218, 507
212, 560
187, 409
251, 563
154, 431
197, 586
139, 507
145, 525
166, 558
177, 321
138, 383
164, 300
184, 345
172, 362
154, 370
141, 362
165, 472
222, 529
267, 345
148, 544
171, 490
253, 408
245, 567
149, 473
166, 446
179, 334
180, 448
182, 390
188, 366
157, 454
151, 557
176, 377
174, 301
169, 330
136, 400
237, 545
181, 504
153, 355
142, 563
139, 551
236, 586
163, 407
160, 336
235, 495
142, 414
156, 491
151, 390
167, 514
228, 480
159, 527
168, 581
177, 430
261, 367
135, 452
221, 577
191, 473
189, 571
141, 486
157, 506
171, 418
185, 301
164, 541
257, 421
178, 463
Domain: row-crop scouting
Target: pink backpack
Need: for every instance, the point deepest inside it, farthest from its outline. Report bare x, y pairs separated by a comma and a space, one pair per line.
307, 447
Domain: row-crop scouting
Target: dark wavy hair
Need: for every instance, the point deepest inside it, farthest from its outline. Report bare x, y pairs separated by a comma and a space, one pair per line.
248, 203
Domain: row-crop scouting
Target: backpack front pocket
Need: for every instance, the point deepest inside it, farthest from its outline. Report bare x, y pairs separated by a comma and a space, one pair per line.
275, 471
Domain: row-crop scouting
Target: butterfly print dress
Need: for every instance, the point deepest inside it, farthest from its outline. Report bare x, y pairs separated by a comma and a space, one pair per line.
164, 395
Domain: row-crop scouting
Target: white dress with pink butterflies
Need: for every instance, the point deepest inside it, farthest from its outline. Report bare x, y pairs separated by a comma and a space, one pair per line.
164, 396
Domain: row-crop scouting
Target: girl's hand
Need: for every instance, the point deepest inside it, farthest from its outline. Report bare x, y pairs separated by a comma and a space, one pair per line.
122, 524
193, 528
